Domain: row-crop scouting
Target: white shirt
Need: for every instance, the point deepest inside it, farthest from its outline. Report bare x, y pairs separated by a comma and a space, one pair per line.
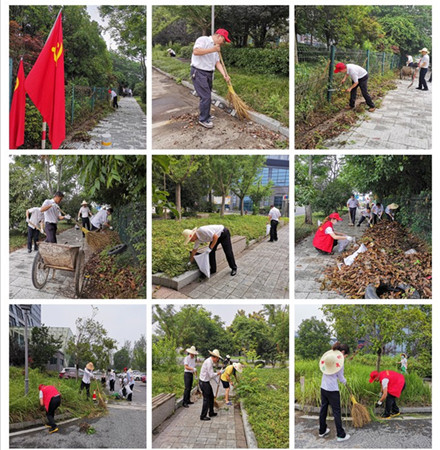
377, 209
99, 218
352, 203
410, 59
113, 94
356, 72
84, 211
329, 230
111, 376
366, 214
190, 362
330, 382
35, 216
206, 234
207, 370
88, 374
53, 214
274, 214
424, 62
208, 61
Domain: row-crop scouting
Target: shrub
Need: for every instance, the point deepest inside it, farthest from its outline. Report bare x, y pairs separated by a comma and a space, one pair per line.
259, 364
186, 52
164, 355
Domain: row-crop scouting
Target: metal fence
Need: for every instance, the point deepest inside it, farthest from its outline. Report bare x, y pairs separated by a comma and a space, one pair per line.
315, 84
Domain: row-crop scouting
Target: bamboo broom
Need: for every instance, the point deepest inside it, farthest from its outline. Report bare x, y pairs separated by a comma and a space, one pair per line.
359, 413
234, 100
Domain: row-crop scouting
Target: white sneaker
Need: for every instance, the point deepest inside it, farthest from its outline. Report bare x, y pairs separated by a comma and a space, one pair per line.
346, 438
207, 124
327, 431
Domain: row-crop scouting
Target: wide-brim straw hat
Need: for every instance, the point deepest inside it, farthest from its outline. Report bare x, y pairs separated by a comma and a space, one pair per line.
84, 203
393, 206
192, 350
424, 49
188, 234
215, 353
238, 367
331, 362
90, 366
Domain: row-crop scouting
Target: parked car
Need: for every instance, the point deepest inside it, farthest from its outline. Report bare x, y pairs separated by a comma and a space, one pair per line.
144, 379
70, 372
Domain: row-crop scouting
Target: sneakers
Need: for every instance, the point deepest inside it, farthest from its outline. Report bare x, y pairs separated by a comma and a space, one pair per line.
229, 404
372, 110
385, 416
346, 438
53, 430
233, 272
207, 124
327, 431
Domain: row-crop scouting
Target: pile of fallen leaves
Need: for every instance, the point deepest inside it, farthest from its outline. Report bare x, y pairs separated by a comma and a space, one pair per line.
384, 264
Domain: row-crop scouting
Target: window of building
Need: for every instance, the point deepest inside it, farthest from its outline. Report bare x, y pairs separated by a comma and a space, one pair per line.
278, 201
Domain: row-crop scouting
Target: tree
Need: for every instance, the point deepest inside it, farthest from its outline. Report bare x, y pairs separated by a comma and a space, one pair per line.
121, 359
140, 354
16, 351
313, 338
42, 347
259, 191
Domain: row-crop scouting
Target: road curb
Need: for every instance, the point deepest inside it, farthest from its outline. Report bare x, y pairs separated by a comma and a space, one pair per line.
248, 432
33, 430
346, 411
220, 102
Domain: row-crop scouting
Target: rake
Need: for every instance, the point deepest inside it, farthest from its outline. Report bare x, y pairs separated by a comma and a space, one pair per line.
234, 100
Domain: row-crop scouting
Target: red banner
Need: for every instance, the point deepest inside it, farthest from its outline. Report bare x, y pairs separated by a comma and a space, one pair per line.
45, 84
17, 112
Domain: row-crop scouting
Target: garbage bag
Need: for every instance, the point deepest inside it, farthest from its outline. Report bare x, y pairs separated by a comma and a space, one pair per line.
348, 261
202, 261
267, 229
342, 244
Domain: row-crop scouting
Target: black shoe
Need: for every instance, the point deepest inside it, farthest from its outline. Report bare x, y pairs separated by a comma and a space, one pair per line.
233, 272
29, 251
270, 240
205, 418
276, 239
36, 249
419, 88
213, 414
425, 89
190, 403
185, 405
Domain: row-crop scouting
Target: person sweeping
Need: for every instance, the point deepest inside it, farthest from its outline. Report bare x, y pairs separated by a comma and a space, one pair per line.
391, 384
359, 77
331, 365
50, 398
226, 380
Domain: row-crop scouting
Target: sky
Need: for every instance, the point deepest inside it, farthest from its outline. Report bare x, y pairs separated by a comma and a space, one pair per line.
306, 312
94, 14
122, 322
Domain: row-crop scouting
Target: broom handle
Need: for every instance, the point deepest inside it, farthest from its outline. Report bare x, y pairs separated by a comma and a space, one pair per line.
224, 67
218, 385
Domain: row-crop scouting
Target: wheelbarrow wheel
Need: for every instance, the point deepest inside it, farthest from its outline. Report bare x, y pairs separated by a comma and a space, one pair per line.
117, 250
40, 272
80, 268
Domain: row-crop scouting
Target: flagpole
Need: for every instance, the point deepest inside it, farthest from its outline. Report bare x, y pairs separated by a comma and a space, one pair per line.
43, 136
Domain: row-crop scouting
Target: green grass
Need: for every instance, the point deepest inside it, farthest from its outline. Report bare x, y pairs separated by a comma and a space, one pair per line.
168, 382
141, 104
26, 408
267, 94
170, 256
267, 408
416, 393
302, 230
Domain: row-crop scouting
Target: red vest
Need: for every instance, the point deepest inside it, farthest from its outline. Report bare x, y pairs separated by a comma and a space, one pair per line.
323, 241
48, 393
395, 383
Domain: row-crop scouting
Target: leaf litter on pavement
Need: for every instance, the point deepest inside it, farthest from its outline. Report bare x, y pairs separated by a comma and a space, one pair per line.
384, 263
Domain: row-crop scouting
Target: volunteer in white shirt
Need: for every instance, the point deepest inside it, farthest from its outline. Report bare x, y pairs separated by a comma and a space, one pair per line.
34, 217
424, 65
100, 219
409, 60
215, 235
189, 364
84, 213
274, 217
87, 377
377, 211
111, 378
366, 215
205, 59
390, 211
114, 99
206, 375
52, 214
359, 77
352, 205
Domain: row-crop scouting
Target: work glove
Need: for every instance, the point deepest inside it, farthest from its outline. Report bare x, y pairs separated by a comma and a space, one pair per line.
111, 228
188, 264
349, 238
379, 403
67, 217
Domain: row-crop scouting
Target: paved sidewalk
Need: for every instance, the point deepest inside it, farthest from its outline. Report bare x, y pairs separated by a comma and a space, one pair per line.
175, 122
184, 429
402, 122
263, 272
20, 273
310, 265
127, 126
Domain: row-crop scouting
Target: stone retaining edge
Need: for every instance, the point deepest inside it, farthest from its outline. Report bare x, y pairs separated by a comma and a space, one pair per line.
403, 410
261, 119
180, 401
36, 422
248, 432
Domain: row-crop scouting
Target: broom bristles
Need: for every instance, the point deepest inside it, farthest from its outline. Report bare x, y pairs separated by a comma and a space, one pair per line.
237, 103
98, 241
360, 415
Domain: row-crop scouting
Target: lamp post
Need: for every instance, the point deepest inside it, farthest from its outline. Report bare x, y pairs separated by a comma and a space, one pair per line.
26, 309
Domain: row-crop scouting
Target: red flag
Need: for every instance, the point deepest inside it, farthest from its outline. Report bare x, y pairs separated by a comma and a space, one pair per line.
45, 84
17, 112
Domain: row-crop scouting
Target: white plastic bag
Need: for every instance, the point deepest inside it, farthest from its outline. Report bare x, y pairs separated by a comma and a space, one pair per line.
342, 244
267, 229
348, 261
202, 261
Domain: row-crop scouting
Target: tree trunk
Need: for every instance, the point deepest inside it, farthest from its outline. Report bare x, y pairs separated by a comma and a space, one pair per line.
222, 210
178, 200
242, 206
378, 361
308, 218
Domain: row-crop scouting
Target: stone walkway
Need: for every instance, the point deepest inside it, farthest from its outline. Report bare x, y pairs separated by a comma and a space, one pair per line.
20, 273
310, 265
126, 125
402, 122
263, 272
184, 429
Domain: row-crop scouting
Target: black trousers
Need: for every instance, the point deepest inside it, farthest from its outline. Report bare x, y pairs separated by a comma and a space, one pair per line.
362, 219
50, 414
51, 232
188, 380
363, 84
130, 396
208, 398
202, 81
391, 405
112, 385
86, 386
115, 102
225, 240
273, 230
422, 81
333, 399
353, 215
33, 236
85, 224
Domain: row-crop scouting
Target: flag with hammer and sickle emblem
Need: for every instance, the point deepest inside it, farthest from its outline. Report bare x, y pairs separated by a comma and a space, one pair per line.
45, 84
17, 111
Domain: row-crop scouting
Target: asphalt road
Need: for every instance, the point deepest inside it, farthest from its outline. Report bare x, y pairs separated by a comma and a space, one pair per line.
396, 433
123, 427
